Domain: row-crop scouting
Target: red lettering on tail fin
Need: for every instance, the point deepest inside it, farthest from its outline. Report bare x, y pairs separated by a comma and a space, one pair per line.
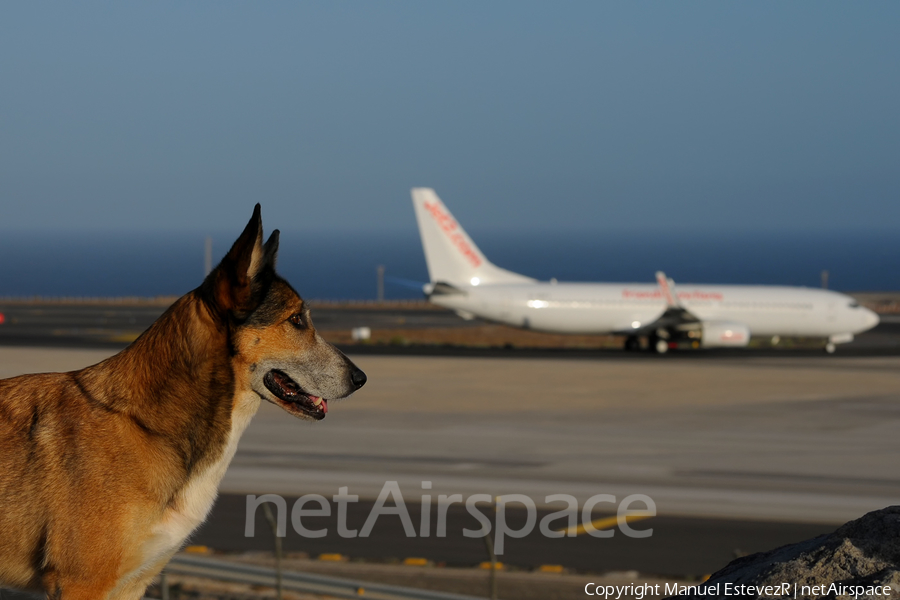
449, 227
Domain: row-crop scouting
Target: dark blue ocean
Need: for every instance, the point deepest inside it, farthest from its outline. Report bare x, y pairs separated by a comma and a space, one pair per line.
342, 266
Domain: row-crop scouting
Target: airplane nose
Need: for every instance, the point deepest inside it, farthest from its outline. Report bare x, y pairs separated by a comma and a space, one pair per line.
358, 378
871, 318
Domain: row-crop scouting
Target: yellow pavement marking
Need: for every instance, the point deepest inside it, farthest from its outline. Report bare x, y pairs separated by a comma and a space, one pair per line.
551, 569
332, 557
604, 523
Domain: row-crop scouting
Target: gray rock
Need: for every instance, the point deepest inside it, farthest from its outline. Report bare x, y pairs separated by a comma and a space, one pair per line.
864, 554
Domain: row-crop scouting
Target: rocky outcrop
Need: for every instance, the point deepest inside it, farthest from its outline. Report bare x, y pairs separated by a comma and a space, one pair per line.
857, 561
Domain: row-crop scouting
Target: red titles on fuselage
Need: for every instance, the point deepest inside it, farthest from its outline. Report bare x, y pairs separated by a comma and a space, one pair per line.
658, 295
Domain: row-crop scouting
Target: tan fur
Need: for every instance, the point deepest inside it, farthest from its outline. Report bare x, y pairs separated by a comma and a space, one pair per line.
104, 472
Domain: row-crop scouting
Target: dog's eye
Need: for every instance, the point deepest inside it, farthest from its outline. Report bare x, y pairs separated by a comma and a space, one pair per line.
297, 320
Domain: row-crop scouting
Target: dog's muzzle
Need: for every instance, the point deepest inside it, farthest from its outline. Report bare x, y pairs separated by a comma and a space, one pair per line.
293, 398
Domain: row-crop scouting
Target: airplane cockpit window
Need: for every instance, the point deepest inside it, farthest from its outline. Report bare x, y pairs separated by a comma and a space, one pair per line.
853, 305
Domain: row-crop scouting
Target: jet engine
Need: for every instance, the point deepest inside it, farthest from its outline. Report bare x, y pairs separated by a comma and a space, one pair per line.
724, 334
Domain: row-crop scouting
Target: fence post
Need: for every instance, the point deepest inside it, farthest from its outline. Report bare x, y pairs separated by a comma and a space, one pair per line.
489, 543
274, 524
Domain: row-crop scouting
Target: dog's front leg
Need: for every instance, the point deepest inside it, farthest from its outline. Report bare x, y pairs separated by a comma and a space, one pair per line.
134, 587
60, 587
134, 590
98, 590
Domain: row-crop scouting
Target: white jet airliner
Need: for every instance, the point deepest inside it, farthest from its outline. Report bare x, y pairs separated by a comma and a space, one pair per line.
661, 316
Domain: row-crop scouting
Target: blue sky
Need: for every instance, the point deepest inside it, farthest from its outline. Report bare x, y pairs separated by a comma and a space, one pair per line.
699, 116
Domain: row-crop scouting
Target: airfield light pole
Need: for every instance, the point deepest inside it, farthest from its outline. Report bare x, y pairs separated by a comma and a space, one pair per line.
380, 271
824, 280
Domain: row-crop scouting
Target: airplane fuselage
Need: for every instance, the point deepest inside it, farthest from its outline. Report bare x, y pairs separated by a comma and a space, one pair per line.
594, 308
660, 317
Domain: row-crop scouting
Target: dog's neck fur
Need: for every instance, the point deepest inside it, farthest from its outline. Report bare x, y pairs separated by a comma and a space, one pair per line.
179, 369
177, 384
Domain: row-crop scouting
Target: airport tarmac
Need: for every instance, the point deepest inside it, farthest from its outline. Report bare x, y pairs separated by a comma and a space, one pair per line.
807, 439
677, 546
738, 454
113, 324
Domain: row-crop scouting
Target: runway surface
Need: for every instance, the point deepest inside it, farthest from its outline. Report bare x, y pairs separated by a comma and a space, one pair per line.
727, 449
678, 546
801, 440
112, 325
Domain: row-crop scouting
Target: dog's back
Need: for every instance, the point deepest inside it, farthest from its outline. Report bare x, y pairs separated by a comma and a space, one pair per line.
78, 480
22, 402
55, 457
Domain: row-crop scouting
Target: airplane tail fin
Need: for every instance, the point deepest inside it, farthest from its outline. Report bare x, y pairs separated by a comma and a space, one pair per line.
451, 255
667, 287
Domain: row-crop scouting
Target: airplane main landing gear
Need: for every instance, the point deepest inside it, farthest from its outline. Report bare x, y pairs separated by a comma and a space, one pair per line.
658, 344
830, 347
652, 343
632, 343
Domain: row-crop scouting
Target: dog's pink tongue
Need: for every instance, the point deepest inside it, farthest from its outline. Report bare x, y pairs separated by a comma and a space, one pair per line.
322, 405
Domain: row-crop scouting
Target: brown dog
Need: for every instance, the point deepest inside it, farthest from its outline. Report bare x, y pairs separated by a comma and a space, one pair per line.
104, 472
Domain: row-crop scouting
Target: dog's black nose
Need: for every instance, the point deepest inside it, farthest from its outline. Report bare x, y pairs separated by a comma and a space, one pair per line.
358, 378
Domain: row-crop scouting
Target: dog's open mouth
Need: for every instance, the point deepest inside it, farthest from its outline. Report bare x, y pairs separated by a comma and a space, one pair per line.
293, 398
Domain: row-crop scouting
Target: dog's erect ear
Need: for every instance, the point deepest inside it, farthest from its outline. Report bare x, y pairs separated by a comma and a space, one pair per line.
270, 250
240, 281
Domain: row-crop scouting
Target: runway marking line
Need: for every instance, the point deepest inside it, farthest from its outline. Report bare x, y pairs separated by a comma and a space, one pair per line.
604, 523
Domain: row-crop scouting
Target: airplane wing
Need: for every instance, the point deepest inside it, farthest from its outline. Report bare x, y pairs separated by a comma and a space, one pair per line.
675, 315
677, 326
